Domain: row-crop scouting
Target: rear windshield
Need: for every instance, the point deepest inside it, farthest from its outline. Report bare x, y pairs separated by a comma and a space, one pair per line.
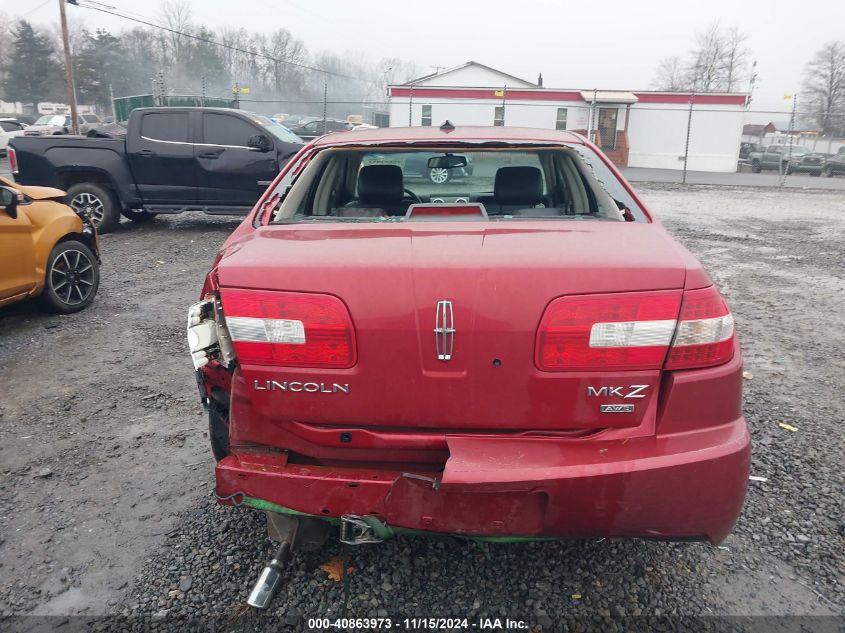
368, 184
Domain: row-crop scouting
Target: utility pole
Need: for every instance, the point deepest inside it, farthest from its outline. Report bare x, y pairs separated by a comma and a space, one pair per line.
71, 89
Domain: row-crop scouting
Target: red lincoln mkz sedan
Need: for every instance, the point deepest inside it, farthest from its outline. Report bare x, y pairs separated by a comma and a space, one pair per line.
523, 352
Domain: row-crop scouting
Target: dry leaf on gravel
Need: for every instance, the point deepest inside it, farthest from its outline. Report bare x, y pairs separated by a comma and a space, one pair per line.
334, 568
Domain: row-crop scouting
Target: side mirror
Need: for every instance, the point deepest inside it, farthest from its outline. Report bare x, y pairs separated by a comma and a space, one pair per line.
9, 201
259, 143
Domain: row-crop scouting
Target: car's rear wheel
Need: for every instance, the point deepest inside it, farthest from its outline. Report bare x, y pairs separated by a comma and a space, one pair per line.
218, 429
72, 277
97, 202
138, 215
439, 175
755, 166
827, 172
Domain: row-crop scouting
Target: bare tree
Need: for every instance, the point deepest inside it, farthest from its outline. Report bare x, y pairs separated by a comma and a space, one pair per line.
719, 62
671, 75
390, 71
735, 61
176, 15
707, 60
285, 77
824, 86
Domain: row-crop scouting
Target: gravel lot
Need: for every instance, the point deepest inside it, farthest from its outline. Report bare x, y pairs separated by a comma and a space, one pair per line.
106, 504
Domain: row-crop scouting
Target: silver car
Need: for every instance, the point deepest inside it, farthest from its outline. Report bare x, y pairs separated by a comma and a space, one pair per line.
60, 124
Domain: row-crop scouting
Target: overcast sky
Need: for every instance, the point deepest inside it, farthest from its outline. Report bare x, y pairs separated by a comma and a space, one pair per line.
611, 44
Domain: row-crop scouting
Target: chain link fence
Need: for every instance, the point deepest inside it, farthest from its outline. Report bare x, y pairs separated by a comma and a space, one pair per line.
683, 142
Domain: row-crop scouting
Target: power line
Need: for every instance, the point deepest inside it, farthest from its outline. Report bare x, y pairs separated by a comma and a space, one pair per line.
33, 10
252, 53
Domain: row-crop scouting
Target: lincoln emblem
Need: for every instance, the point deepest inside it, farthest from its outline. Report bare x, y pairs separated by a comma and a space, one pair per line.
444, 330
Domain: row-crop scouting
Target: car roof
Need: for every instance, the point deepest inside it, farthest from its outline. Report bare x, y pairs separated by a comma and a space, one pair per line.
459, 134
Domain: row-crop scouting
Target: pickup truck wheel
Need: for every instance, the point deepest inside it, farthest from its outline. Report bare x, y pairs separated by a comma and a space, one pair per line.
827, 172
138, 216
97, 202
72, 277
755, 166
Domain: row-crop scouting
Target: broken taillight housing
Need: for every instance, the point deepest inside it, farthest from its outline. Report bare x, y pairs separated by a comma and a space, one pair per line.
289, 328
635, 331
705, 334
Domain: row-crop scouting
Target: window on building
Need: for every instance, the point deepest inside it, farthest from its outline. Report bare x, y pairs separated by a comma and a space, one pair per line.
560, 122
499, 115
426, 115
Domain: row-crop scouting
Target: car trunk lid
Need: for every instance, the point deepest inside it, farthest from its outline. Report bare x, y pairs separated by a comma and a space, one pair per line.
498, 279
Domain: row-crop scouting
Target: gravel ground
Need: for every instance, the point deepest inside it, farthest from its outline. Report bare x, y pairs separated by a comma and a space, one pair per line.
106, 505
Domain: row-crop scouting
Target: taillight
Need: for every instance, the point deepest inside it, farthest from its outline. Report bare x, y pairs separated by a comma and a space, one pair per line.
13, 159
289, 328
635, 331
629, 330
705, 335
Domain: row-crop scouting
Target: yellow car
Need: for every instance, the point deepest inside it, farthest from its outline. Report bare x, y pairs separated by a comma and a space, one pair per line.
46, 249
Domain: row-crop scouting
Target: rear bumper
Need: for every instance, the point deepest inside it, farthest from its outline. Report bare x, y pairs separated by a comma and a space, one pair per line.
682, 486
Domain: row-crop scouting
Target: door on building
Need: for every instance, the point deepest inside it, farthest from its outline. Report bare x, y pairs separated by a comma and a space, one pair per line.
607, 127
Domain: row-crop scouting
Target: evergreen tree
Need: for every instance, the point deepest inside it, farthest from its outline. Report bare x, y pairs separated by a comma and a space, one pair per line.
32, 73
101, 63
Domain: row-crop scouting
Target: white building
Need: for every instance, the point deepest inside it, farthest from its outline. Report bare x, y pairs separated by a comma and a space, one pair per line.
634, 128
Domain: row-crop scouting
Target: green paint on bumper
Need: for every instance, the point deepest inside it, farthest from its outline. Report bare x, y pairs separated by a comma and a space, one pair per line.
384, 531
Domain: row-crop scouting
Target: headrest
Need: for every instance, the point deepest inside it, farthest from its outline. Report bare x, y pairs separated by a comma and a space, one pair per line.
518, 185
380, 184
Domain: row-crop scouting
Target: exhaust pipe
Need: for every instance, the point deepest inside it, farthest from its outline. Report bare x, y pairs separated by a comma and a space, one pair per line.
271, 577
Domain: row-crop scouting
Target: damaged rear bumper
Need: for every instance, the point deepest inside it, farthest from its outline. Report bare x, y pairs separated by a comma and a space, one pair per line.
682, 486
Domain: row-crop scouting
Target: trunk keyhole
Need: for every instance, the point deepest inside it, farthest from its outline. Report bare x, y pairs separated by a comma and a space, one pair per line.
497, 362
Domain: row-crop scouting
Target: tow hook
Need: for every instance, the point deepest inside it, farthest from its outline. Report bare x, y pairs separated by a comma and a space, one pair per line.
357, 530
271, 576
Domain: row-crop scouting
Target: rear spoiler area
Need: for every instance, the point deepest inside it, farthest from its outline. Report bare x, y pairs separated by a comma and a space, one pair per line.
438, 212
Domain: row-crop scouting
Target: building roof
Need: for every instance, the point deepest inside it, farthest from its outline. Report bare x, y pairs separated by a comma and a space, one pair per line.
798, 126
458, 134
757, 129
505, 76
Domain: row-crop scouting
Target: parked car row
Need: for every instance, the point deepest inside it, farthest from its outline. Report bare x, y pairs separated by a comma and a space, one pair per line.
791, 159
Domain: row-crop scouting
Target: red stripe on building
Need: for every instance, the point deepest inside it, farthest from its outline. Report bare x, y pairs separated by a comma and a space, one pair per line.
487, 93
517, 94
705, 99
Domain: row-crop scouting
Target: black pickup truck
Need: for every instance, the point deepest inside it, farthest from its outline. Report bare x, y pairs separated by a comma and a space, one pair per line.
170, 160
